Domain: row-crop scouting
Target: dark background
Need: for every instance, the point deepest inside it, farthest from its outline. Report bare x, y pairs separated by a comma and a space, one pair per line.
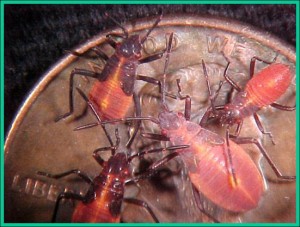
36, 36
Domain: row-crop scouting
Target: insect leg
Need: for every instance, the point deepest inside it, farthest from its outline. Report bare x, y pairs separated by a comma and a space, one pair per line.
100, 53
253, 61
155, 136
90, 104
281, 107
65, 195
110, 40
68, 195
82, 175
171, 148
188, 102
150, 80
237, 130
206, 115
138, 113
152, 168
229, 80
200, 205
154, 81
260, 127
208, 87
97, 157
74, 72
97, 51
152, 57
143, 204
248, 140
212, 97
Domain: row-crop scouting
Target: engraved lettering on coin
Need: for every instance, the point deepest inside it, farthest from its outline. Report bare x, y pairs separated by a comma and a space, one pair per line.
216, 44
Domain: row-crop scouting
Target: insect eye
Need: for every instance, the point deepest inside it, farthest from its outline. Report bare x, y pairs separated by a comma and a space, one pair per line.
138, 55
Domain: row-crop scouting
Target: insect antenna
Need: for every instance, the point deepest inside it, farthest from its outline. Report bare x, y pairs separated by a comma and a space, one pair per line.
117, 23
90, 104
212, 97
163, 83
115, 147
151, 29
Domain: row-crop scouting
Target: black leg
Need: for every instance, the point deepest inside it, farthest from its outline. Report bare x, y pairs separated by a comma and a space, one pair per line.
111, 41
261, 128
151, 57
247, 140
171, 148
230, 81
96, 50
253, 61
90, 104
281, 107
97, 157
188, 102
65, 195
208, 87
82, 175
100, 53
238, 129
208, 113
212, 97
155, 136
150, 80
82, 72
151, 170
200, 205
113, 149
138, 113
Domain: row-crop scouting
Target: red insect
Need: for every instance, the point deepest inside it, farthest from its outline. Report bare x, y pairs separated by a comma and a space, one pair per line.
263, 89
103, 200
113, 92
209, 163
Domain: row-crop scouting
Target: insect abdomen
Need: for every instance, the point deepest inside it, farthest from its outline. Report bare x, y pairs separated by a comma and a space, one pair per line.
211, 177
110, 100
208, 170
113, 97
95, 212
269, 84
106, 205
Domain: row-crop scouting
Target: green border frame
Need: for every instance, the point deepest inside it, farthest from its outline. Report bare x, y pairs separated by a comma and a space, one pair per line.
7, 2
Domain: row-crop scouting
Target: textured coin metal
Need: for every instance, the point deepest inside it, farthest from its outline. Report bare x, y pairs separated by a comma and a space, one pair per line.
36, 143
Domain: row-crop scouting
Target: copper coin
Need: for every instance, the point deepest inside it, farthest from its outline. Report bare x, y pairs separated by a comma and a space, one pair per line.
36, 143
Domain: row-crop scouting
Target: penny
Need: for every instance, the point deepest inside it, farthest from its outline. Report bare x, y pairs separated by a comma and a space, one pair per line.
36, 143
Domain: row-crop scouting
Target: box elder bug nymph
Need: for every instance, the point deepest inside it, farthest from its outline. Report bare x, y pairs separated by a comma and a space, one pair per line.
103, 200
150, 171
207, 159
113, 93
263, 89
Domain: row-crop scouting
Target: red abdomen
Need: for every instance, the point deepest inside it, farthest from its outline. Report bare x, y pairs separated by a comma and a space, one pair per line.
211, 177
95, 212
109, 99
206, 163
269, 84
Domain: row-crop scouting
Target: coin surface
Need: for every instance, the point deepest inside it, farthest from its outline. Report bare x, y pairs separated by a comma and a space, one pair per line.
36, 143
